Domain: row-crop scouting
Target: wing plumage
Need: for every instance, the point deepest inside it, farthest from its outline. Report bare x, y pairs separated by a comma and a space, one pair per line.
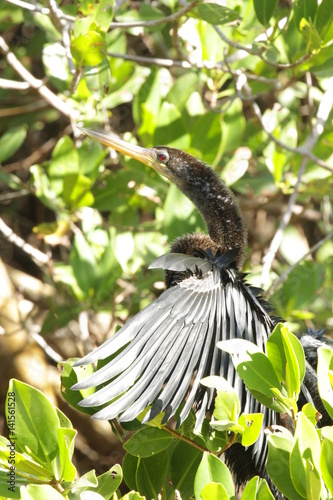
165, 350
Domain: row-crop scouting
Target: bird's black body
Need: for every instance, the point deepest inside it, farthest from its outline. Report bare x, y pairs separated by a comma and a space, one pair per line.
171, 345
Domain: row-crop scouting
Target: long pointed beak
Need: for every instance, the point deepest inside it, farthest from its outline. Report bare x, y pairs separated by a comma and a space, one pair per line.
147, 156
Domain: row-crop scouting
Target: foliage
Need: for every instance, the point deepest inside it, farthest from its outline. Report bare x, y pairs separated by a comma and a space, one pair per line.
39, 451
247, 87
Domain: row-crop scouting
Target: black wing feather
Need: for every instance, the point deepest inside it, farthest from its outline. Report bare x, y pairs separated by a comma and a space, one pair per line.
171, 344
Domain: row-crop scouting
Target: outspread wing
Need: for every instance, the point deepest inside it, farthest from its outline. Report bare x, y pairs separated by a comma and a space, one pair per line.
171, 345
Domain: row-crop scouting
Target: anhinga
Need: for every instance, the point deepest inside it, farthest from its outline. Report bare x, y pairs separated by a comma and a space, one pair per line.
167, 348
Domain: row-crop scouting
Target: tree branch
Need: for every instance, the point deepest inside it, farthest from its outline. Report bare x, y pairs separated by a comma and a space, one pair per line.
36, 84
281, 279
324, 109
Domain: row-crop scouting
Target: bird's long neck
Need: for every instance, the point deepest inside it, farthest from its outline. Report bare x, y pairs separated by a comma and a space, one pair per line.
219, 209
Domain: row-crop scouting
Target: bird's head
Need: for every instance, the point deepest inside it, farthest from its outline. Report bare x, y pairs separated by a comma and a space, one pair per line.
169, 162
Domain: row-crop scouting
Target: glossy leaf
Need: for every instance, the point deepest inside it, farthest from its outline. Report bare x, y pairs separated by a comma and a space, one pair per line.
304, 9
37, 427
279, 452
151, 474
130, 467
325, 377
148, 442
324, 21
214, 491
89, 49
212, 469
264, 10
257, 489
11, 141
252, 424
257, 371
310, 35
326, 457
184, 462
109, 482
40, 492
216, 14
305, 459
286, 354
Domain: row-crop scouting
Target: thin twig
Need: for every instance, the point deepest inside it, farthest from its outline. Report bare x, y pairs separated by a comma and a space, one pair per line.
249, 50
169, 63
324, 109
185, 439
281, 279
38, 85
299, 150
39, 257
49, 351
12, 84
134, 24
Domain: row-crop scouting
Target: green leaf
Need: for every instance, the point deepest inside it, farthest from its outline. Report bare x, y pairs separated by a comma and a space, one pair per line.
88, 12
151, 474
170, 125
43, 187
11, 180
233, 127
69, 377
212, 470
257, 371
66, 469
214, 491
11, 141
310, 35
27, 470
324, 21
286, 354
180, 215
210, 143
304, 9
326, 457
133, 495
146, 104
109, 482
305, 459
252, 423
130, 467
279, 451
40, 492
257, 489
185, 460
227, 406
264, 10
89, 49
148, 442
98, 79
64, 162
37, 425
216, 14
325, 377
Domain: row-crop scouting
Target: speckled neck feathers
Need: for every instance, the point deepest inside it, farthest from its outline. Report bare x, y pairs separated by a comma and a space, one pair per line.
217, 205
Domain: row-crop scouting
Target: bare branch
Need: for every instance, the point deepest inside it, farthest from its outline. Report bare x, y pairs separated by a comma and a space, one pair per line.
249, 50
300, 150
39, 257
324, 109
12, 84
281, 279
169, 63
38, 85
155, 22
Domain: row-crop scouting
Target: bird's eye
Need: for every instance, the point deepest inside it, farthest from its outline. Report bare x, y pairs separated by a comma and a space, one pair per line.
162, 156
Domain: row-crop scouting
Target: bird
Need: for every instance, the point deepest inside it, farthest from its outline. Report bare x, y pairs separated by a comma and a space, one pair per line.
160, 355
